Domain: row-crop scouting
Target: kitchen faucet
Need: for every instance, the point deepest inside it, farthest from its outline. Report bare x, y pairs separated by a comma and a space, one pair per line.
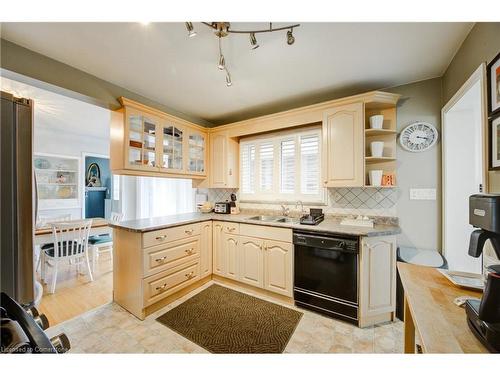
301, 206
285, 211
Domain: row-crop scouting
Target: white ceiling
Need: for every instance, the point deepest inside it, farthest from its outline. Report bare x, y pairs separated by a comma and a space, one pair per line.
61, 114
160, 62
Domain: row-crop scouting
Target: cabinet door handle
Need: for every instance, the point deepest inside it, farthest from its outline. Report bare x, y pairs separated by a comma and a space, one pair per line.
161, 238
161, 260
230, 171
189, 275
189, 251
189, 231
161, 287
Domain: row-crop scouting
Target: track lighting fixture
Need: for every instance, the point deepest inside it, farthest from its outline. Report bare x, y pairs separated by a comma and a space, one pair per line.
190, 29
253, 41
290, 39
223, 29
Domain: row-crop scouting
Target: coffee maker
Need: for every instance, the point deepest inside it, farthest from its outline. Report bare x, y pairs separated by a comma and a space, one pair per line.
483, 316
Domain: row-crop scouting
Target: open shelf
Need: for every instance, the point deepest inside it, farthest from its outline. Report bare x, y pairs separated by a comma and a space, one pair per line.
372, 159
374, 132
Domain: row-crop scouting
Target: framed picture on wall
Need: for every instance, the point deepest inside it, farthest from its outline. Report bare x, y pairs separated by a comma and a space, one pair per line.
493, 73
495, 142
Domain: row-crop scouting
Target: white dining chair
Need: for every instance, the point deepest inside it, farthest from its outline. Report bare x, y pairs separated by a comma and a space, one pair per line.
103, 243
70, 243
44, 221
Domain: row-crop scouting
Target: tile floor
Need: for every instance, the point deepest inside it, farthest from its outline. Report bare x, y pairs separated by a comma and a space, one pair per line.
111, 329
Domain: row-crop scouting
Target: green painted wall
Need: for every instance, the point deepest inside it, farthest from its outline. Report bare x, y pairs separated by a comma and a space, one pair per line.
481, 45
56, 76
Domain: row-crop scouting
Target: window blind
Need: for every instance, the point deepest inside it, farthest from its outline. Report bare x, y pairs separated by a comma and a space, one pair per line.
288, 166
248, 168
266, 156
309, 164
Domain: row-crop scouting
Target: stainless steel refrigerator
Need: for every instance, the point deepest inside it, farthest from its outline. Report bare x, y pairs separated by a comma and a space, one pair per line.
17, 203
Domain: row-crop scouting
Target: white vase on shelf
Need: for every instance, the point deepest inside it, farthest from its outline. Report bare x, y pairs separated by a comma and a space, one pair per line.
376, 177
377, 149
376, 121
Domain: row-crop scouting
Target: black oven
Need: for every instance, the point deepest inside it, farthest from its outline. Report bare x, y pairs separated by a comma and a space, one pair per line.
326, 274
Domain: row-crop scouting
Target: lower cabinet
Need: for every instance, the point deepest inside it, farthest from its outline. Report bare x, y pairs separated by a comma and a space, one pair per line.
251, 261
230, 249
377, 299
206, 249
219, 258
259, 262
278, 267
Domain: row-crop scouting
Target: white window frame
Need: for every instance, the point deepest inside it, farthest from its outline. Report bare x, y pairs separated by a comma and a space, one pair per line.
275, 196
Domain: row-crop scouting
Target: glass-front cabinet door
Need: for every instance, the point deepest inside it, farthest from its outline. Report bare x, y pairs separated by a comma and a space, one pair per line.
142, 142
172, 147
196, 153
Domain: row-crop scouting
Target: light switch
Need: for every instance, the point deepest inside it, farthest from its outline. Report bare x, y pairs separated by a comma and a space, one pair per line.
423, 194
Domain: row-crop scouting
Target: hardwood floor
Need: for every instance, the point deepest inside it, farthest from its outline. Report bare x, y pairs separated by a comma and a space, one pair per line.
75, 294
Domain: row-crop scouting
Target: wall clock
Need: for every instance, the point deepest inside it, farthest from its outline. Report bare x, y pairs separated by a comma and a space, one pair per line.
418, 136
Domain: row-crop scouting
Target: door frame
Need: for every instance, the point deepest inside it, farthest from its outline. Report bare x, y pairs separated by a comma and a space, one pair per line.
82, 175
479, 75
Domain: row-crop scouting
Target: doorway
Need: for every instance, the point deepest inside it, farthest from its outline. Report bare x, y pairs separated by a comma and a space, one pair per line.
464, 158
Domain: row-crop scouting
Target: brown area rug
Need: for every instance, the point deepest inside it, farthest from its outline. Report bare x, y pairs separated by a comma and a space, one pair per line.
222, 320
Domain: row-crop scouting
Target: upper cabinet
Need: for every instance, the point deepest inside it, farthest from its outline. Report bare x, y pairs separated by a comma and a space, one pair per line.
343, 146
148, 142
224, 154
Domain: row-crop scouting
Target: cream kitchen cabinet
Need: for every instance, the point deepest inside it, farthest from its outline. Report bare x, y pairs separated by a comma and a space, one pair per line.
224, 156
377, 299
343, 146
147, 142
231, 252
219, 255
206, 234
251, 261
278, 267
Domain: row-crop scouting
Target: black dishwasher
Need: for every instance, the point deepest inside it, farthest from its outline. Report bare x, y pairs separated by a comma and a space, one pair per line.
326, 274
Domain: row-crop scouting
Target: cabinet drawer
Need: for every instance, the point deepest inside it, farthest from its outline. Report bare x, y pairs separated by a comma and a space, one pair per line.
262, 231
162, 257
161, 236
166, 283
231, 228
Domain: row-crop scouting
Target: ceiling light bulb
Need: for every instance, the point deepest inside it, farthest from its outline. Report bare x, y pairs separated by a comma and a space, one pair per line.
290, 39
222, 62
253, 41
190, 29
228, 79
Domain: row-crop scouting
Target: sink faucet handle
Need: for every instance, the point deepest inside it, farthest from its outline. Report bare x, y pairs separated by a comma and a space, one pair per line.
285, 210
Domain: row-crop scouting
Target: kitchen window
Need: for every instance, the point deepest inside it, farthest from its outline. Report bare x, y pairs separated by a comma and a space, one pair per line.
284, 167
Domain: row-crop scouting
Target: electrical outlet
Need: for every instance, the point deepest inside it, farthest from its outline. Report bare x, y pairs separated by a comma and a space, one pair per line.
423, 194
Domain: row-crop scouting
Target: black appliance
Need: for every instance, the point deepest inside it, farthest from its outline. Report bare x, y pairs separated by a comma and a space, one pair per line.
326, 274
315, 217
483, 316
222, 208
17, 200
23, 330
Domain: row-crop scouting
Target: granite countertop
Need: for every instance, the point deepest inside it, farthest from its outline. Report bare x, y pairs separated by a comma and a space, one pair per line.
329, 225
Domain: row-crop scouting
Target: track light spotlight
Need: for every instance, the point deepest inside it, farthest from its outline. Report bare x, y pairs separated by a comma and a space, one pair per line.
228, 79
253, 41
190, 29
222, 62
290, 39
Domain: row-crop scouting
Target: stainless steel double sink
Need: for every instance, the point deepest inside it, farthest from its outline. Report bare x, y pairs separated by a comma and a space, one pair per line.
275, 219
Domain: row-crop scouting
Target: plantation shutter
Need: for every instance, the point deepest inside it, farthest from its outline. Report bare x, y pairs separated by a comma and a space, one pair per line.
288, 166
309, 164
266, 156
248, 168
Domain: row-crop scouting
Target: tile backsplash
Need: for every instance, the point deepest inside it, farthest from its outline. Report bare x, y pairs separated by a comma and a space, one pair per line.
340, 201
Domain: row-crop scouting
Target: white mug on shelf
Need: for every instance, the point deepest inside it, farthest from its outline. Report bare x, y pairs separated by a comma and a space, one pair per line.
376, 177
377, 149
376, 121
